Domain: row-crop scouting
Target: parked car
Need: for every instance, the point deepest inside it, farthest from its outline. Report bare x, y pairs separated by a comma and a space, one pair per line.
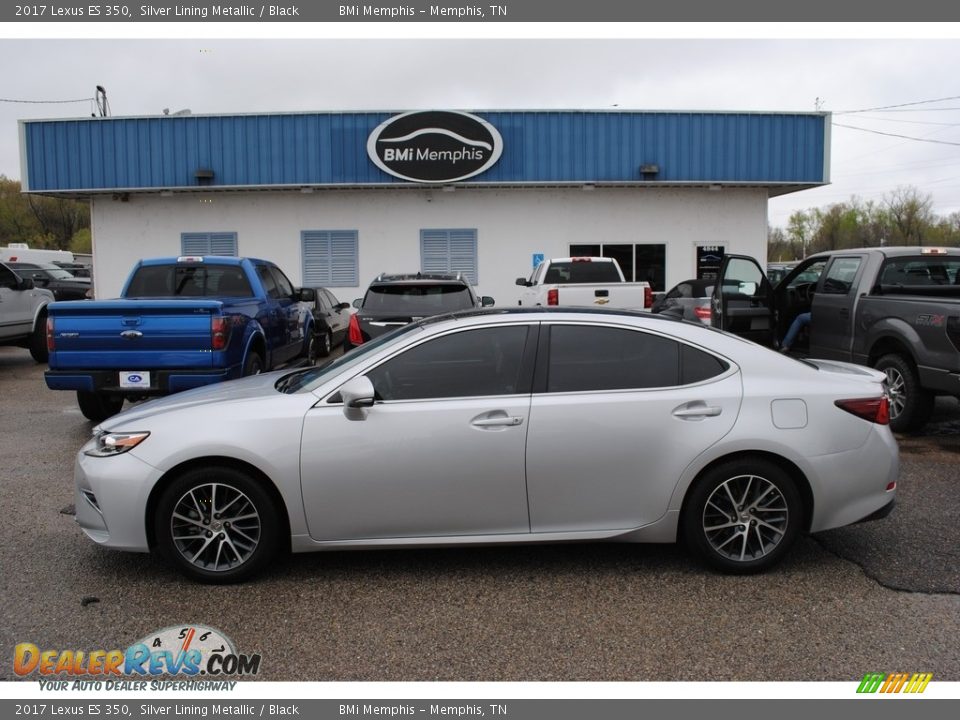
583, 282
778, 271
395, 300
23, 313
689, 299
892, 308
507, 426
179, 323
78, 270
331, 318
60, 282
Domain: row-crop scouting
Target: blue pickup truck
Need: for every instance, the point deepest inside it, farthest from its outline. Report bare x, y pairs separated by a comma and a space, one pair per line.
180, 323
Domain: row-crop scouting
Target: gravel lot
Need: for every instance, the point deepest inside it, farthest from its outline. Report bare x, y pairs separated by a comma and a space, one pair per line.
878, 597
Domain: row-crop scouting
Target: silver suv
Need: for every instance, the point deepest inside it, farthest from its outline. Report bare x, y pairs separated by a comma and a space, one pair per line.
23, 313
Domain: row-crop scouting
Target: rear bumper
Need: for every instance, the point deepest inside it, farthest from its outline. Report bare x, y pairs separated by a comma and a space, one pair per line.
162, 382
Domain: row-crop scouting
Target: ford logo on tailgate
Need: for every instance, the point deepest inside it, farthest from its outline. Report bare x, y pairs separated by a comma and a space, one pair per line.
435, 146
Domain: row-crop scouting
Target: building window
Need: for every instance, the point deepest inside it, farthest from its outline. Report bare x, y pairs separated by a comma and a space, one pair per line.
218, 243
330, 258
638, 262
443, 251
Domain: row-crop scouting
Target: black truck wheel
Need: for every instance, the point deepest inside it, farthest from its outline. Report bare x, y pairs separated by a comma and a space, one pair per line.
98, 406
910, 404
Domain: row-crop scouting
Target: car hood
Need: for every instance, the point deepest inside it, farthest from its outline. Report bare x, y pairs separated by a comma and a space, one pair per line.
230, 391
848, 370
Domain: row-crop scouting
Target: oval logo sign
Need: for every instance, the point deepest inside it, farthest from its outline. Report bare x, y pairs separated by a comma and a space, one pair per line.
134, 378
435, 146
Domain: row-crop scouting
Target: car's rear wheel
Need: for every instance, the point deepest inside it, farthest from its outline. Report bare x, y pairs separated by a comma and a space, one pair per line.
38, 340
742, 516
910, 405
253, 365
98, 406
321, 345
217, 525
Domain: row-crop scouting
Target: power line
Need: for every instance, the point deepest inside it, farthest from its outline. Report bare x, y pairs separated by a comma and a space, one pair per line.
905, 137
912, 122
46, 102
899, 105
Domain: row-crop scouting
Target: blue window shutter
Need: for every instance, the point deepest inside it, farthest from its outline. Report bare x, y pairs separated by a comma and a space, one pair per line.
444, 251
330, 258
221, 243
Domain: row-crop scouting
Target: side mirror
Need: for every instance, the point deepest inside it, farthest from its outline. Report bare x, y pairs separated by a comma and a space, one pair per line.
357, 303
25, 284
357, 394
486, 301
523, 282
307, 295
342, 306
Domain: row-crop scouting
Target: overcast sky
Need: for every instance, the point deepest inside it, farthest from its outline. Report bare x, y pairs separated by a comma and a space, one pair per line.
142, 77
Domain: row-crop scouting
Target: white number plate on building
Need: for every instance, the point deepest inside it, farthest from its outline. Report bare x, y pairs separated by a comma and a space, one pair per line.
135, 379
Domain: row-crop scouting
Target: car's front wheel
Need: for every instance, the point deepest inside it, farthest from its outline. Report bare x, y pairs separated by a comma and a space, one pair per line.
742, 516
217, 525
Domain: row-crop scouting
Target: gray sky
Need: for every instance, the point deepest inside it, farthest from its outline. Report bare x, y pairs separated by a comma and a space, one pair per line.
142, 77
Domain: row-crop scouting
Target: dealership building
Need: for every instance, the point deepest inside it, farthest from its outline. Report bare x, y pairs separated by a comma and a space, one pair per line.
335, 198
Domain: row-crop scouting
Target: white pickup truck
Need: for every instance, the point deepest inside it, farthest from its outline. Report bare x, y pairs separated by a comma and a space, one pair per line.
583, 281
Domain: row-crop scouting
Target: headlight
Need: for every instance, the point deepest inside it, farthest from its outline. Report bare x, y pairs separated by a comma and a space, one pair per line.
106, 444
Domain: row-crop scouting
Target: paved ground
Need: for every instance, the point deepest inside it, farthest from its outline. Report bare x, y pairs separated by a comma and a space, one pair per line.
878, 597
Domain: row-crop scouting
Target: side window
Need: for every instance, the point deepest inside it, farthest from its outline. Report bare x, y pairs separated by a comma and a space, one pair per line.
742, 277
8, 278
471, 363
810, 274
606, 358
331, 299
839, 278
697, 366
284, 286
266, 279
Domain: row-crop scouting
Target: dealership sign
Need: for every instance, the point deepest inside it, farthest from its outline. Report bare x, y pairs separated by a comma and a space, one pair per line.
435, 146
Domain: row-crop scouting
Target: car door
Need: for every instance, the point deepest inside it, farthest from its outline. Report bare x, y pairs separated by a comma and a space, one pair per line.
617, 414
16, 306
294, 314
742, 300
440, 453
337, 315
832, 309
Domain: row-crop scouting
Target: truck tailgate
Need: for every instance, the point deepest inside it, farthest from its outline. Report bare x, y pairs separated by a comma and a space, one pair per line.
613, 295
132, 334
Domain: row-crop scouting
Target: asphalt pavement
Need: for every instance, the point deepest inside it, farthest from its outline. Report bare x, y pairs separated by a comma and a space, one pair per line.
876, 597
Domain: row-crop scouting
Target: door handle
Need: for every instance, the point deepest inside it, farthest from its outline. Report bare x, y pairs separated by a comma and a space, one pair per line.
501, 421
696, 411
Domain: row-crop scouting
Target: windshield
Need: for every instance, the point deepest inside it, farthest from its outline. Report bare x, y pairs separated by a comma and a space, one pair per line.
309, 378
418, 299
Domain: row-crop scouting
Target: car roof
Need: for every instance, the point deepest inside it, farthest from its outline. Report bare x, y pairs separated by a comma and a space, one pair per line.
541, 313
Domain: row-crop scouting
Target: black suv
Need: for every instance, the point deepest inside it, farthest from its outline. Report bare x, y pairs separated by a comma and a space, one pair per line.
61, 283
395, 300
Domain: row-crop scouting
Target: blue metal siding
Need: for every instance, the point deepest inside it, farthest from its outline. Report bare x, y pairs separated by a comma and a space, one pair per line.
330, 148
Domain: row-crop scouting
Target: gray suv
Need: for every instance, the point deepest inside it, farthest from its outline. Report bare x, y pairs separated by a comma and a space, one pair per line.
395, 300
23, 313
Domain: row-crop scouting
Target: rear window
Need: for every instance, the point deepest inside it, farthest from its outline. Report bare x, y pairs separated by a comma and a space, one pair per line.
921, 271
418, 299
581, 271
162, 281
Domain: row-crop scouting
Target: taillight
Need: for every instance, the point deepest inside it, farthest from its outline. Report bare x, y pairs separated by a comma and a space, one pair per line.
648, 297
553, 296
354, 334
702, 313
875, 410
50, 340
219, 333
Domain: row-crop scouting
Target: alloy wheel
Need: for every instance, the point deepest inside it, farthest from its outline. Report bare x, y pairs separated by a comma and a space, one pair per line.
896, 391
215, 527
745, 518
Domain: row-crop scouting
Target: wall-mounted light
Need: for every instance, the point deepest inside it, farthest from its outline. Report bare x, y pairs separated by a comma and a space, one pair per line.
649, 170
204, 176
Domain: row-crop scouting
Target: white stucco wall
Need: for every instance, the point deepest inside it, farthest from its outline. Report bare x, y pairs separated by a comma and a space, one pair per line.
511, 225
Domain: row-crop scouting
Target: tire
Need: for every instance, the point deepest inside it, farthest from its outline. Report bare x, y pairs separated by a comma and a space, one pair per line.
38, 340
735, 540
910, 404
98, 406
321, 345
253, 365
211, 547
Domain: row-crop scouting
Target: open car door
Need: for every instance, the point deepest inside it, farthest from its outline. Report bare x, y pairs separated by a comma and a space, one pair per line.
742, 301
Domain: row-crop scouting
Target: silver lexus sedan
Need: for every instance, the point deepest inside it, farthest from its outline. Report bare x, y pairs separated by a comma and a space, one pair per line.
501, 426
